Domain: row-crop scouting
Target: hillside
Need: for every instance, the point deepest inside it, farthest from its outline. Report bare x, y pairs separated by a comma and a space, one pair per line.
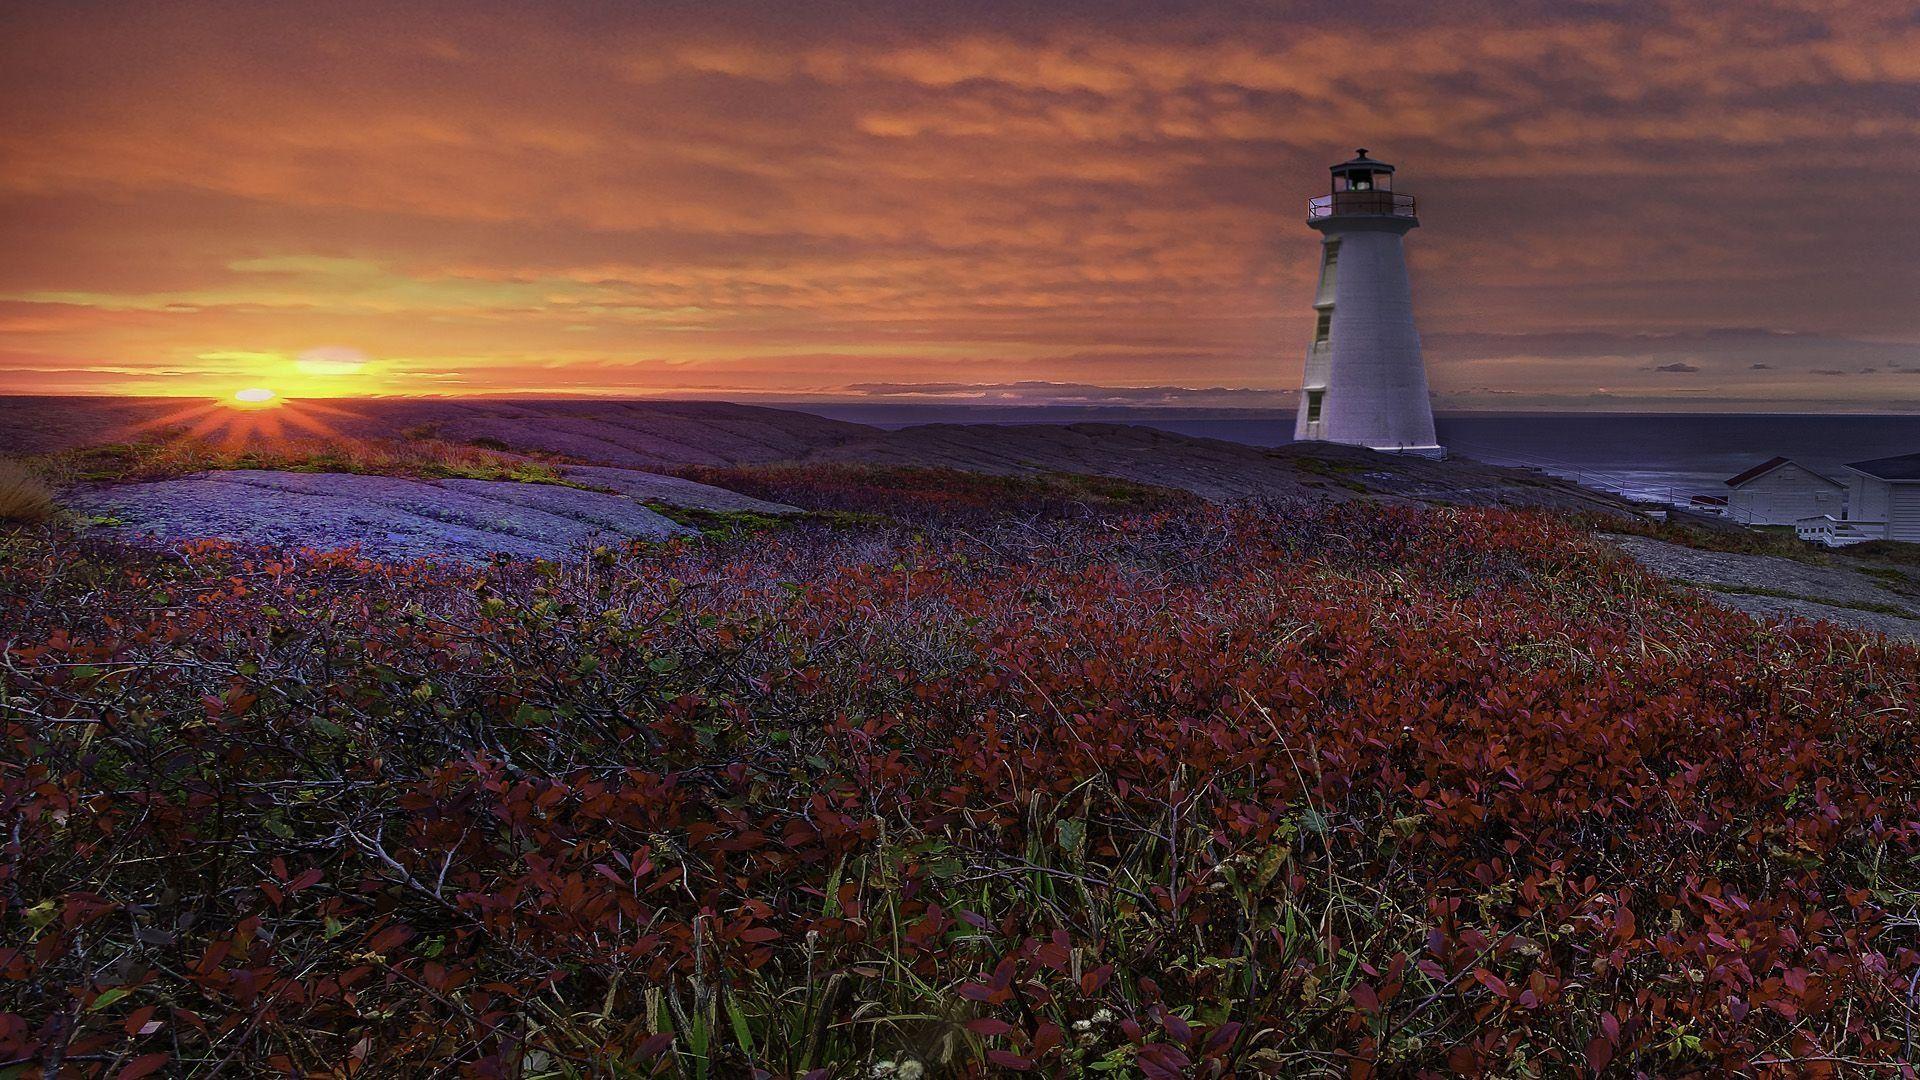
692, 740
451, 479
988, 774
654, 436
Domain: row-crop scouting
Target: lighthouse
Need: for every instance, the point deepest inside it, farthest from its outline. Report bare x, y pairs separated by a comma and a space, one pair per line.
1365, 384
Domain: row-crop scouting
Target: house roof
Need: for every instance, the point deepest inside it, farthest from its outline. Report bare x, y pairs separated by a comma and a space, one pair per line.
1768, 466
1898, 467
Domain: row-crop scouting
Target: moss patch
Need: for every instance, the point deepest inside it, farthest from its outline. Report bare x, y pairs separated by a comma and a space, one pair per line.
1783, 594
1337, 471
425, 459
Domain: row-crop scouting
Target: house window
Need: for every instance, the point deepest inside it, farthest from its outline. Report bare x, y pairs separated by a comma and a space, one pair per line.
1324, 328
1313, 405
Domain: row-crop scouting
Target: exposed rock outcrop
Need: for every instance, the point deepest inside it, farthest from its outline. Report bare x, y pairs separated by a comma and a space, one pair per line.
385, 516
1772, 587
671, 490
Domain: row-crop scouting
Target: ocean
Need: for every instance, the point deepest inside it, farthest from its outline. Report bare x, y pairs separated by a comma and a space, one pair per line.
1667, 457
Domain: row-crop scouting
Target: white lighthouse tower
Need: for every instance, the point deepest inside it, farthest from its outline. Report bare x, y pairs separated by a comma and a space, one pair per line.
1365, 383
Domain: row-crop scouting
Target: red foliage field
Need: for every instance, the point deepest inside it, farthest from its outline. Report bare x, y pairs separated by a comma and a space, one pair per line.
1124, 788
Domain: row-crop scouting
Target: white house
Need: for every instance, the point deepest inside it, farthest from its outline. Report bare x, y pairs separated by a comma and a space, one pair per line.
1781, 492
1885, 496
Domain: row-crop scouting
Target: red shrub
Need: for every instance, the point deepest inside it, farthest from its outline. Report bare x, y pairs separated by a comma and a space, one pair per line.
948, 496
1191, 791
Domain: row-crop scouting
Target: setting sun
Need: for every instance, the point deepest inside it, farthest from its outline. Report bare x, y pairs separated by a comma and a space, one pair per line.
254, 395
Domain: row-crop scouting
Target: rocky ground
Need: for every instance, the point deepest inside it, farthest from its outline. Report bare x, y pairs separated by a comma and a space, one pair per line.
1859, 594
398, 518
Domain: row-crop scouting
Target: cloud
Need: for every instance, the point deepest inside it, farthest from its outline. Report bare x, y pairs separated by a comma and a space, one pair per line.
782, 199
332, 360
1052, 393
1677, 366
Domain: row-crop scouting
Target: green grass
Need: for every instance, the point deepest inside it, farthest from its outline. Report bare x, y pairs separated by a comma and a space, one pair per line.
1893, 551
1892, 577
1336, 471
1782, 594
168, 458
735, 524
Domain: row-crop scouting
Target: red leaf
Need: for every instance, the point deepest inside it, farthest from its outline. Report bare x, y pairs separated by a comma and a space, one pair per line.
1177, 1028
138, 1019
1162, 1062
987, 1025
1364, 996
1046, 1037
143, 1065
391, 937
1599, 1052
1009, 1060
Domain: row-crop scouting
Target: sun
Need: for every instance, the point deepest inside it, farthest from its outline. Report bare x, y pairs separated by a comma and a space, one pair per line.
255, 397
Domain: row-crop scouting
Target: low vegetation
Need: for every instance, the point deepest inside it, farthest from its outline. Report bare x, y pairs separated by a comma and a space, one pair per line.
1708, 535
1103, 786
180, 455
924, 494
24, 496
1888, 551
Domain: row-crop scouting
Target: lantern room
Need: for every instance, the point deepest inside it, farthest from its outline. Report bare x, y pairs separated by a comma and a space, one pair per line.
1362, 187
1362, 174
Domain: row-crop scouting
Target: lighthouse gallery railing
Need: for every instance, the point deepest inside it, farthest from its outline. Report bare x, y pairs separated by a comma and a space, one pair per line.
1341, 203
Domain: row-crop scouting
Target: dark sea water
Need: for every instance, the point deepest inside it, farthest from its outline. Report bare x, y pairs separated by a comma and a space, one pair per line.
1653, 456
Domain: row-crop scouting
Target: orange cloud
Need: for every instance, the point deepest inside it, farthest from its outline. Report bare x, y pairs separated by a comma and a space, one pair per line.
498, 198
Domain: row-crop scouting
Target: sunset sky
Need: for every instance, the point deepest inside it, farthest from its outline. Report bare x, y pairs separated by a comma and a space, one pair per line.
1624, 205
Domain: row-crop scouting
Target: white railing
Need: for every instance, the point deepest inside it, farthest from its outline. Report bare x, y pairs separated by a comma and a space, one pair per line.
1360, 203
1838, 532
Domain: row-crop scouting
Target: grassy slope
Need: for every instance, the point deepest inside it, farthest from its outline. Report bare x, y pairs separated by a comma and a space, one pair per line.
167, 458
1106, 784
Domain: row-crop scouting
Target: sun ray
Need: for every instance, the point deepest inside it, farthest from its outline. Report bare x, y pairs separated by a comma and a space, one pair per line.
234, 423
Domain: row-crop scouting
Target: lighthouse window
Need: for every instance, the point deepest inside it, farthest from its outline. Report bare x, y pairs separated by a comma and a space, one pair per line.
1313, 405
1324, 328
1333, 254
